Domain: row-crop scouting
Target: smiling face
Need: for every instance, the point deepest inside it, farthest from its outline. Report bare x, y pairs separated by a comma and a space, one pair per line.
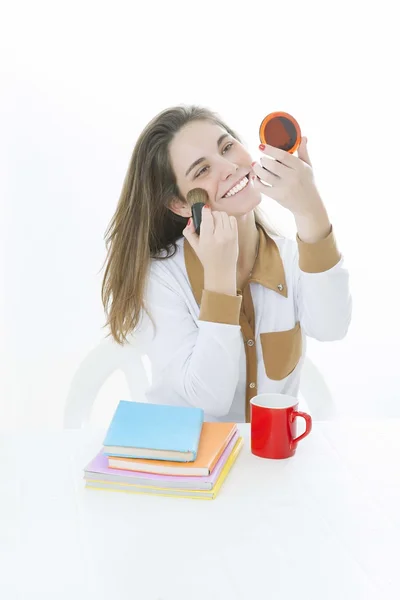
204, 155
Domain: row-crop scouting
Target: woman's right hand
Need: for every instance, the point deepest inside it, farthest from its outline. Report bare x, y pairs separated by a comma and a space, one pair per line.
217, 248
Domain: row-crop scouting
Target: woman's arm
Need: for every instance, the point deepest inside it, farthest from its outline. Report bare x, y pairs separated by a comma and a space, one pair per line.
314, 227
198, 359
321, 281
323, 297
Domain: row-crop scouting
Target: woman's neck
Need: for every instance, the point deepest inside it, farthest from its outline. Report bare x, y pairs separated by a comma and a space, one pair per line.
248, 241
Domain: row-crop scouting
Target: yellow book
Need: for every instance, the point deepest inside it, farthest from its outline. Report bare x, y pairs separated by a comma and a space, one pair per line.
165, 491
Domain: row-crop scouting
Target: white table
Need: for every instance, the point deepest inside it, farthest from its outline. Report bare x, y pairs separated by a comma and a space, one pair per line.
323, 525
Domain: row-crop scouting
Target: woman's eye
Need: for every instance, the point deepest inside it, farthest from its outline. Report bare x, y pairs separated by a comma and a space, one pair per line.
201, 171
204, 169
228, 147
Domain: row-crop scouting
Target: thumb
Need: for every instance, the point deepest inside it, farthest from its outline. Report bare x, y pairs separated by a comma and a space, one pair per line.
190, 234
303, 151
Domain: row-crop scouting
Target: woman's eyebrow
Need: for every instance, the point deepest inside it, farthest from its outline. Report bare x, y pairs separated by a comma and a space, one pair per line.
200, 160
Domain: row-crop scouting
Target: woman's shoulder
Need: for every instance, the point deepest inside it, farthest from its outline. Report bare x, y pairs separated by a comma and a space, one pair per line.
283, 242
167, 277
286, 246
169, 262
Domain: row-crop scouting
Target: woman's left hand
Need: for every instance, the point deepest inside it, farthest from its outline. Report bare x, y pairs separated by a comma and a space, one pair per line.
290, 178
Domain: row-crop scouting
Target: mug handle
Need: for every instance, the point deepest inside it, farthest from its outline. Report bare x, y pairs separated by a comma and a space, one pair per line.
308, 420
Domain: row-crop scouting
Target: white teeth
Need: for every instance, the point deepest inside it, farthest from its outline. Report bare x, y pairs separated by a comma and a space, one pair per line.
238, 187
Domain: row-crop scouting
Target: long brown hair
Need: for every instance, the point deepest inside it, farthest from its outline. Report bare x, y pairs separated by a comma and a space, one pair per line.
143, 225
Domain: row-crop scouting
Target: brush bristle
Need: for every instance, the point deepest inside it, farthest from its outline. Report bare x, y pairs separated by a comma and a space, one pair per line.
197, 195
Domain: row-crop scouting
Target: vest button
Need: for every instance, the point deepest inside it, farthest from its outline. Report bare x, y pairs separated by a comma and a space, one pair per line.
250, 343
252, 385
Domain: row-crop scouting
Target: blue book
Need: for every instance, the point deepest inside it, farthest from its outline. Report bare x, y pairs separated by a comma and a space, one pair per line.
155, 431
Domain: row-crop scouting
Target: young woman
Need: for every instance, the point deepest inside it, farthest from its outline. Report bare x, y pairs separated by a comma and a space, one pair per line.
223, 315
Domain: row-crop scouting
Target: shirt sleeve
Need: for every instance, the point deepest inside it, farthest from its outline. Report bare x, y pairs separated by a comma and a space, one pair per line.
199, 359
324, 301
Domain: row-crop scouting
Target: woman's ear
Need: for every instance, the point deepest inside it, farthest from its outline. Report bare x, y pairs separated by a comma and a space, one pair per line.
180, 207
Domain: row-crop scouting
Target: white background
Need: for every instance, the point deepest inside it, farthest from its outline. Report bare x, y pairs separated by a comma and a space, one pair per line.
79, 81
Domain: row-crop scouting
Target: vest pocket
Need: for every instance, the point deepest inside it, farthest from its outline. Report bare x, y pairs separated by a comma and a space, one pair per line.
281, 351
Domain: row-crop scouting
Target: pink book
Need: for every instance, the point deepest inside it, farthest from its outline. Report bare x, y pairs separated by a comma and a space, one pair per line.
98, 470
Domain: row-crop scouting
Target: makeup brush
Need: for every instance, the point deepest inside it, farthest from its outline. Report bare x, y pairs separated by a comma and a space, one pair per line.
196, 199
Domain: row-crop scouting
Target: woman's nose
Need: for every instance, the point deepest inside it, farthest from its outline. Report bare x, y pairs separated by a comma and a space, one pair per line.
228, 169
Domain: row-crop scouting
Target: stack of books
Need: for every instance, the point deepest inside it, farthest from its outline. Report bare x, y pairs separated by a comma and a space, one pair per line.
164, 450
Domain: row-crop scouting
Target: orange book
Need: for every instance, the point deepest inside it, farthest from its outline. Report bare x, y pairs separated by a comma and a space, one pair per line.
214, 439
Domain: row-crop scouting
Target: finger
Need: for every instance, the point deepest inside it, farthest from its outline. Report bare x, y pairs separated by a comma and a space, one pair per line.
225, 220
281, 155
218, 223
190, 234
274, 166
190, 226
207, 222
228, 223
265, 176
302, 152
267, 190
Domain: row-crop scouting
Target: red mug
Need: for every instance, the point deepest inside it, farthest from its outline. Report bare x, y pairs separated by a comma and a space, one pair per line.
273, 425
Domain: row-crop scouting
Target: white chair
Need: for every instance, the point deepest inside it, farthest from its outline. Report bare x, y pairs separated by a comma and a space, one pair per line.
92, 373
315, 396
108, 356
